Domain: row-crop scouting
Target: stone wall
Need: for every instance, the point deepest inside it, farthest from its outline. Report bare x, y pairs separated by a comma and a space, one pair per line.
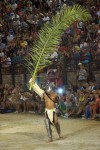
97, 76
72, 78
7, 79
19, 79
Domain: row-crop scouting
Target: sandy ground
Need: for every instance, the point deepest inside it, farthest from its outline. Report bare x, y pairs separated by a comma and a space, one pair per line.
27, 132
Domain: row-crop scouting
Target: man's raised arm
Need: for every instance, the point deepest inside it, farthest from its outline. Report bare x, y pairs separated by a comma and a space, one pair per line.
36, 88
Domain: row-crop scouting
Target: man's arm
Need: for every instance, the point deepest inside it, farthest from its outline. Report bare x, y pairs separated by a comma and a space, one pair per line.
36, 88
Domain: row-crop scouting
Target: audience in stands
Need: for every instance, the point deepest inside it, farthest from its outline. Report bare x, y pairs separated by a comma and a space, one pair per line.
84, 102
20, 22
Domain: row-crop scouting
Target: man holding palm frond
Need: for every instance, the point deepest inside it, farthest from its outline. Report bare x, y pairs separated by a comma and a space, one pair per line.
49, 37
50, 99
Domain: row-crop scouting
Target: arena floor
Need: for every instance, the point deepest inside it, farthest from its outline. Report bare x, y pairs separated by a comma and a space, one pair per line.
27, 132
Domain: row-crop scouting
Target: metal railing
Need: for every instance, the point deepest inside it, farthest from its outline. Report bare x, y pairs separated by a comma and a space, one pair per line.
14, 68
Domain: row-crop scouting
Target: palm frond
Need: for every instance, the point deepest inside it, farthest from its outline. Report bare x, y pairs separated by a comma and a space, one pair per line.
50, 34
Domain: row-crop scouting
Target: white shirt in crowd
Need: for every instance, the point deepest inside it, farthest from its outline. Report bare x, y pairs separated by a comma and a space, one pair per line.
2, 54
23, 98
8, 61
10, 37
54, 55
14, 6
46, 18
80, 25
84, 45
98, 13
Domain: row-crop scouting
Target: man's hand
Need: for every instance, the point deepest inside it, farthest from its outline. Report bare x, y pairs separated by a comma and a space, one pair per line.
31, 81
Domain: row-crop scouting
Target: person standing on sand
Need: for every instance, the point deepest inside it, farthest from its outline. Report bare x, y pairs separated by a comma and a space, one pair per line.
51, 118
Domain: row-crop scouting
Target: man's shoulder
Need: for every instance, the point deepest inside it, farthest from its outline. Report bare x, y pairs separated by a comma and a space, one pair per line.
54, 93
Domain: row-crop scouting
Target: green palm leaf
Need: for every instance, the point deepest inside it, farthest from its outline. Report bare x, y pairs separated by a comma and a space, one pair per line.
50, 34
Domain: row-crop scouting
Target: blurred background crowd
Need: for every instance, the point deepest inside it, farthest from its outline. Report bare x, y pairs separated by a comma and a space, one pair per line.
20, 22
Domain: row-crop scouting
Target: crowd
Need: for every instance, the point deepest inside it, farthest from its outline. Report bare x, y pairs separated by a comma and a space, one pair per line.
20, 22
16, 100
81, 102
76, 101
81, 42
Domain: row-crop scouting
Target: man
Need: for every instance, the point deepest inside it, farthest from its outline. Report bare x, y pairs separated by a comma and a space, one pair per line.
50, 99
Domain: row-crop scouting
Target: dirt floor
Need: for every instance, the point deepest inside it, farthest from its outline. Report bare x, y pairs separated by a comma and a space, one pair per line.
27, 132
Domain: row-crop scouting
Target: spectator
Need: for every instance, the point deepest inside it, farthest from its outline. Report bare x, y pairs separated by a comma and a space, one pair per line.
82, 74
95, 106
